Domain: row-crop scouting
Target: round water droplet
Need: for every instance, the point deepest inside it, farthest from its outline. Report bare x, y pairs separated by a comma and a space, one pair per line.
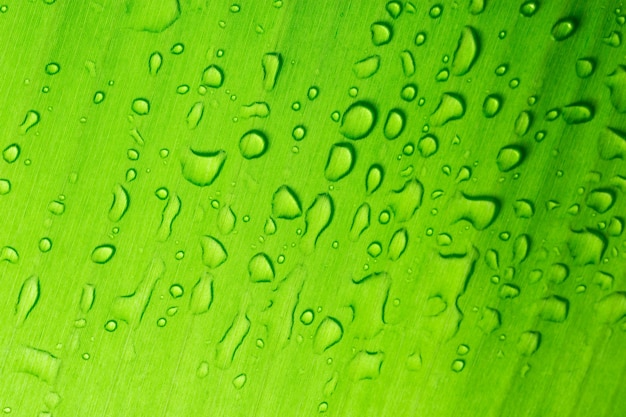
358, 120
141, 106
182, 89
176, 291
103, 254
394, 8
45, 245
162, 193
528, 8
253, 144
564, 28
161, 322
53, 68
110, 326
435, 11
420, 38
384, 217
408, 92
458, 365
307, 317
374, 249
98, 97
298, 133
428, 145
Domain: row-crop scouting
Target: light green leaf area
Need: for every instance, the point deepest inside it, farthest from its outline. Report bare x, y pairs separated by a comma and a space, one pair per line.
294, 207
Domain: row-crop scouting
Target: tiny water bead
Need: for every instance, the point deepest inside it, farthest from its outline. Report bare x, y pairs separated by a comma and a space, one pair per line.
435, 11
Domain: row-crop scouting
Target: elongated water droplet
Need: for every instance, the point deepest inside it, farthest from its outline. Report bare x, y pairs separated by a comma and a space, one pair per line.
121, 202
195, 115
408, 63
394, 125
202, 294
466, 52
374, 178
398, 244
170, 212
155, 62
11, 153
491, 105
360, 221
271, 63
226, 220
578, 113
27, 299
30, 120
317, 218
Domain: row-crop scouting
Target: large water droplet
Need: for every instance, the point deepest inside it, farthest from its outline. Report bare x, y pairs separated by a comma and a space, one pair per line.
260, 268
374, 178
30, 120
202, 168
509, 157
27, 299
253, 144
466, 51
213, 252
358, 120
577, 113
394, 125
381, 33
366, 67
328, 333
271, 63
564, 28
285, 203
202, 294
213, 76
141, 106
102, 254
451, 107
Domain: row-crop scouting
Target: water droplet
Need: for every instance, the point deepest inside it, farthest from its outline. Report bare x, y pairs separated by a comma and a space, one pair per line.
202, 168
451, 107
176, 291
374, 249
398, 244
360, 221
358, 120
601, 200
253, 144
154, 63
479, 211
195, 115
11, 153
491, 105
121, 202
340, 162
307, 317
529, 8
328, 333
182, 89
405, 201
102, 254
381, 33
27, 299
466, 51
374, 178
260, 268
110, 326
213, 252
564, 28
53, 68
366, 67
271, 63
420, 38
285, 204
394, 8
578, 113
613, 39
585, 67
408, 63
529, 342
213, 76
30, 120
201, 294
9, 254
435, 11
177, 49
509, 157
240, 381
45, 245
408, 92
553, 308
141, 106
458, 365
428, 145
312, 93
